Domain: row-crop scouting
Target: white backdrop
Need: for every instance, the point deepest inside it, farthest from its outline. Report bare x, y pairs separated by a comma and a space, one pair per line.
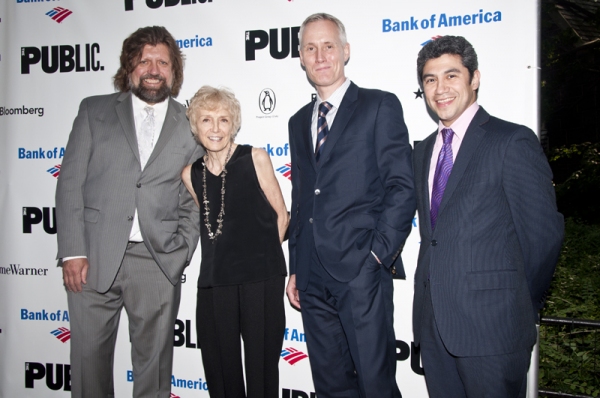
53, 53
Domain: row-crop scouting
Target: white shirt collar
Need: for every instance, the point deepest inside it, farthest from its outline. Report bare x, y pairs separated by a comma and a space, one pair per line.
139, 105
338, 95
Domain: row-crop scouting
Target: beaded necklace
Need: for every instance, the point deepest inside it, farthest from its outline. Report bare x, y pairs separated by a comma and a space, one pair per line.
211, 235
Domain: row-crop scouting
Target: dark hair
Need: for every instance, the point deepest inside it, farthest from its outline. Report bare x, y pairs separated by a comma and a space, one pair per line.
132, 50
454, 45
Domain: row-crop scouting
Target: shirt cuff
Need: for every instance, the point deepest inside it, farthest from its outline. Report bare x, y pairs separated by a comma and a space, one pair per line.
72, 258
376, 258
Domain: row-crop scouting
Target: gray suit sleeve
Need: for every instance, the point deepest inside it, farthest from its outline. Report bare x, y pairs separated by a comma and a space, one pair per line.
69, 190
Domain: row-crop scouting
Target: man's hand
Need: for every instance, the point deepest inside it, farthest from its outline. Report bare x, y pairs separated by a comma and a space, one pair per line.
75, 273
292, 292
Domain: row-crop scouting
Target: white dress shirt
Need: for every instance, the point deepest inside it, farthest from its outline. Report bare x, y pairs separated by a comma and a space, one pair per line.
139, 114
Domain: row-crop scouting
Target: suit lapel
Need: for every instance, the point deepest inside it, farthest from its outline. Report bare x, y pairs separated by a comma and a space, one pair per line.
124, 111
306, 132
168, 129
425, 178
342, 117
471, 141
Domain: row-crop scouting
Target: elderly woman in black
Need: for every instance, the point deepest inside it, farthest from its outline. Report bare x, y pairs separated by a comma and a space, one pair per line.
242, 275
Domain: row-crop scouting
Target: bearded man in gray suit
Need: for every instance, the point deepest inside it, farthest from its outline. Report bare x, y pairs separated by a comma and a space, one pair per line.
127, 227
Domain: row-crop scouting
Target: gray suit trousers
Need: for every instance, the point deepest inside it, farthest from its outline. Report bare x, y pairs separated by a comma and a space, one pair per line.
151, 302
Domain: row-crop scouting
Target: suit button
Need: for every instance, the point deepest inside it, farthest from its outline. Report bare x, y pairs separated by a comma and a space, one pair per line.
317, 191
130, 218
138, 185
434, 242
310, 220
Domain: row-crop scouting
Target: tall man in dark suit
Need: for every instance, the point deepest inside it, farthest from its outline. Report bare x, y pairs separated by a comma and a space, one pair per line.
490, 235
127, 227
352, 206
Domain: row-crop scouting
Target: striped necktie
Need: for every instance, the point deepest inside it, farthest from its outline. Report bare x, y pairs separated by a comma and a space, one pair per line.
322, 129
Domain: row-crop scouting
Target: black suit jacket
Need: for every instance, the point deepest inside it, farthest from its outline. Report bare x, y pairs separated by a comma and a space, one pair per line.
360, 196
498, 235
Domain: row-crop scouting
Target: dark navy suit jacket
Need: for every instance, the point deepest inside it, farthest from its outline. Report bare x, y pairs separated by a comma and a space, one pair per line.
360, 196
498, 235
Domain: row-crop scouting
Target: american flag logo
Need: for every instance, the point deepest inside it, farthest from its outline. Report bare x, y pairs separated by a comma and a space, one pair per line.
59, 14
292, 355
432, 39
63, 334
286, 171
54, 170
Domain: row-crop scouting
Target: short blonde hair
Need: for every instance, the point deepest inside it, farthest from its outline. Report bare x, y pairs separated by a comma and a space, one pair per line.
212, 98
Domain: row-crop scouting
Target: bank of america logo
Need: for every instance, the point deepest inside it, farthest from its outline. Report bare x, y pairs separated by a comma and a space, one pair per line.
174, 396
54, 170
286, 171
292, 355
432, 39
63, 334
59, 14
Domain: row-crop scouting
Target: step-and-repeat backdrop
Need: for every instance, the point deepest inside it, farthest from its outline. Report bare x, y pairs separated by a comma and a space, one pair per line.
53, 53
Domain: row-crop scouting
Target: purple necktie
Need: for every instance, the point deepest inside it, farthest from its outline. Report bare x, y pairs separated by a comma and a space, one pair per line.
443, 169
322, 129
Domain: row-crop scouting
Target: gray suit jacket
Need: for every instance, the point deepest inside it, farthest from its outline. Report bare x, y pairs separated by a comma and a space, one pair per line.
101, 184
498, 235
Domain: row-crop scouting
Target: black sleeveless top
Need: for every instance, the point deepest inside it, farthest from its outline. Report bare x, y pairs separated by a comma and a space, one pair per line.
248, 249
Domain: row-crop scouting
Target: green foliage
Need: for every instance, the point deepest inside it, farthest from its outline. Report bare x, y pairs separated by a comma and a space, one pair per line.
574, 289
570, 78
570, 355
577, 176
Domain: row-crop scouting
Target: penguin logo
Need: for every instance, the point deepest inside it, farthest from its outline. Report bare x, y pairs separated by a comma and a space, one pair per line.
266, 101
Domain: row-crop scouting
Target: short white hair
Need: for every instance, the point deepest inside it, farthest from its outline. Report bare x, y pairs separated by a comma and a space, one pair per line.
321, 16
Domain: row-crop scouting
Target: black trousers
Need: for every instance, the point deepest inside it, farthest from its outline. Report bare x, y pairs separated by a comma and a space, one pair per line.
254, 311
349, 329
449, 376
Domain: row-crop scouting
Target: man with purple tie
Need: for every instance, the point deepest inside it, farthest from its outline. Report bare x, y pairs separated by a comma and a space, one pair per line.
490, 235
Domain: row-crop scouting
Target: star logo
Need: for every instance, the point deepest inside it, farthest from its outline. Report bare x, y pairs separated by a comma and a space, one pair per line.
419, 93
